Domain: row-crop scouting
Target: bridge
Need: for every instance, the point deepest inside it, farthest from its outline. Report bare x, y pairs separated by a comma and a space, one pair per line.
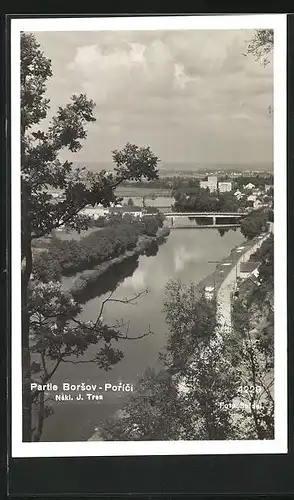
184, 220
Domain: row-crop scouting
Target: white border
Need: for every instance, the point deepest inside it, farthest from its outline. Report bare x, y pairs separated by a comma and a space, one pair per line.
101, 448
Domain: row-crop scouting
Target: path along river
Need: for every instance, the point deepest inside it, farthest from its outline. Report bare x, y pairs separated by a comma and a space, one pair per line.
187, 255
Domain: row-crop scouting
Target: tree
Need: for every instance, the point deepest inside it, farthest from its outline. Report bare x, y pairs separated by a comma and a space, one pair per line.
66, 257
152, 249
151, 210
205, 373
261, 45
252, 344
196, 199
254, 224
228, 202
42, 170
252, 348
150, 225
130, 202
58, 337
183, 400
191, 319
154, 411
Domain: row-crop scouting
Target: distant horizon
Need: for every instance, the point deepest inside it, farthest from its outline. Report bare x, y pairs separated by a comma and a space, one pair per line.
170, 166
185, 161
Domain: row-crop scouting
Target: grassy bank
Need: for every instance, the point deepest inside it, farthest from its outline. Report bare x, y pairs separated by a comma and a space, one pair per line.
90, 276
68, 257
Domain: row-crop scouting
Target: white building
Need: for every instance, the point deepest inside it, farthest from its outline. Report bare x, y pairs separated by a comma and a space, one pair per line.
224, 187
203, 184
249, 186
94, 212
249, 269
209, 292
257, 204
211, 183
238, 194
133, 210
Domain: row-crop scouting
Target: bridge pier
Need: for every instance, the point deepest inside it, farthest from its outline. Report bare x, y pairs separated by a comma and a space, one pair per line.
214, 220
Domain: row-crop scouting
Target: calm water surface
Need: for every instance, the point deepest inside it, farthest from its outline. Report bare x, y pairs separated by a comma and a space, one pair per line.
185, 256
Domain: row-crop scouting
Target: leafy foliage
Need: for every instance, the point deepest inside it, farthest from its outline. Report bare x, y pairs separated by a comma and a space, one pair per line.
41, 170
191, 319
130, 202
258, 180
193, 395
66, 257
201, 200
150, 225
72, 256
182, 400
253, 349
261, 45
254, 223
154, 411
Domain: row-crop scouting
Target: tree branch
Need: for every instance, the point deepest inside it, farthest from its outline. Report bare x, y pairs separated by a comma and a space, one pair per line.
36, 392
129, 301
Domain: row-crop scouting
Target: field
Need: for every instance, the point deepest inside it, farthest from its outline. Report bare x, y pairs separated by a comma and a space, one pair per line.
137, 192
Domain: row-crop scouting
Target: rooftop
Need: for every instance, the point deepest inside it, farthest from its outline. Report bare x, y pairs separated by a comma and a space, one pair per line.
248, 267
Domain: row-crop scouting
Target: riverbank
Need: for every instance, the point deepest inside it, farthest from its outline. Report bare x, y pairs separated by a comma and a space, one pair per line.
225, 266
88, 277
184, 256
229, 259
228, 284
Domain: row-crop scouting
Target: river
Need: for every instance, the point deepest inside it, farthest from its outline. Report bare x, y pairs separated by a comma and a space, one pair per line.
185, 256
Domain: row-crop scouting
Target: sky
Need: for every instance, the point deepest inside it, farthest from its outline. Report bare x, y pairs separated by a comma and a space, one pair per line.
191, 95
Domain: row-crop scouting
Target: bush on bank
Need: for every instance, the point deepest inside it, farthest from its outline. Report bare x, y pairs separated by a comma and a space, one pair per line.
144, 246
255, 223
67, 257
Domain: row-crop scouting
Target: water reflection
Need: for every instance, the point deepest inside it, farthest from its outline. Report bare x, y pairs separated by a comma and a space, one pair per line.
113, 277
185, 255
109, 282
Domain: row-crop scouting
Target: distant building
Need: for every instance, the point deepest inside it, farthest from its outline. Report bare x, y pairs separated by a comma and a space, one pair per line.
249, 269
267, 187
209, 292
133, 210
247, 286
238, 194
224, 187
94, 212
249, 186
257, 204
252, 197
211, 183
212, 180
203, 184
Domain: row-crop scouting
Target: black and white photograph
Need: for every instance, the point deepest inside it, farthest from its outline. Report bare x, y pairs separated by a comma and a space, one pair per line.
148, 235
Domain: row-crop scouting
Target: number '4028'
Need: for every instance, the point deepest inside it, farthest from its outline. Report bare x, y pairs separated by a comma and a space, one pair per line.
249, 388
